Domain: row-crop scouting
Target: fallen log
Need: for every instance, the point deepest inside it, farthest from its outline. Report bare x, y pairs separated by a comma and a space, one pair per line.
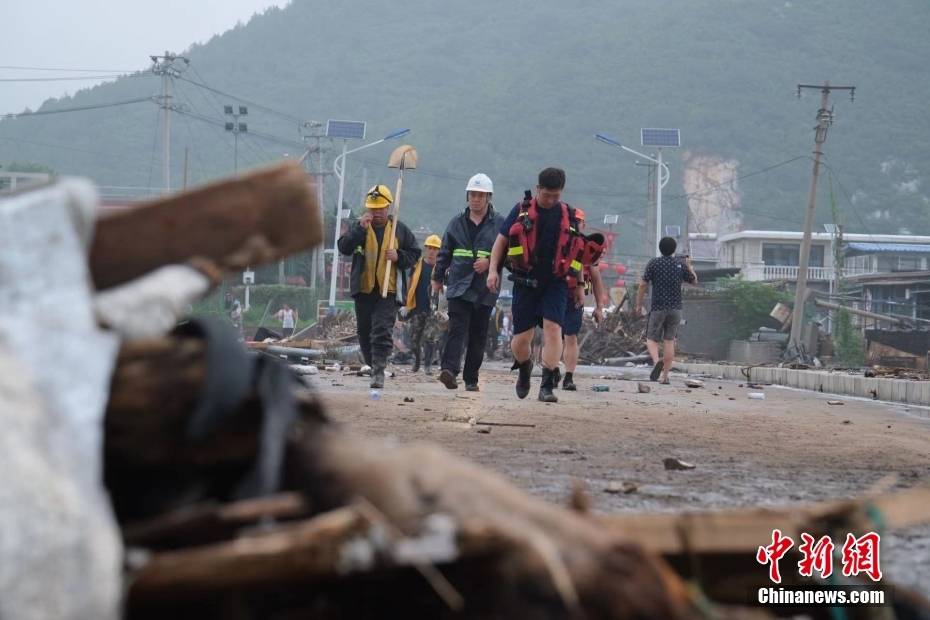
253, 219
566, 559
547, 561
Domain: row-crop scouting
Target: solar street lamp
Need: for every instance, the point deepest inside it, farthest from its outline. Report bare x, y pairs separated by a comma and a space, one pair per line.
656, 138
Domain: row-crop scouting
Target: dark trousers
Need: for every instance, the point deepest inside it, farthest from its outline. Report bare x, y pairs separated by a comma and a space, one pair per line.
468, 323
375, 318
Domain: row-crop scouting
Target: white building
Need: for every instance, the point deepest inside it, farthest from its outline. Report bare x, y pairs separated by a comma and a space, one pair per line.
765, 255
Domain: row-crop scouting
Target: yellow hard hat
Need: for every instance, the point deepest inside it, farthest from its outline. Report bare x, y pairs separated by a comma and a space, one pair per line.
379, 197
433, 241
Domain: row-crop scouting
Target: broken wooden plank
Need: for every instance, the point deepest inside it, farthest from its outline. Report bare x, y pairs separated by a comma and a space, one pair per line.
744, 530
209, 522
249, 220
290, 553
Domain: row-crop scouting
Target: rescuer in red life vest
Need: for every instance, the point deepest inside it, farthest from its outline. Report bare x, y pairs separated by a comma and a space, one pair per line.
574, 313
543, 249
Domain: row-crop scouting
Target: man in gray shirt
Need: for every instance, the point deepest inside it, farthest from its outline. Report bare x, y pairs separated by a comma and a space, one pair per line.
665, 275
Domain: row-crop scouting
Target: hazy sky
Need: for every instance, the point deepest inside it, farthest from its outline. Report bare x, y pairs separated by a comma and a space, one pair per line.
101, 34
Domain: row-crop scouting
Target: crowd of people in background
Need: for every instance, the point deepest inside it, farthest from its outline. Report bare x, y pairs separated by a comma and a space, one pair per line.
440, 304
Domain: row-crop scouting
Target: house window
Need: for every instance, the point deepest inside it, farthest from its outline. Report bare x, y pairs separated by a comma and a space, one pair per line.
908, 263
789, 254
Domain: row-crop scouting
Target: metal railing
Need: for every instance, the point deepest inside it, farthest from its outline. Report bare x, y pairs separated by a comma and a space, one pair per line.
765, 273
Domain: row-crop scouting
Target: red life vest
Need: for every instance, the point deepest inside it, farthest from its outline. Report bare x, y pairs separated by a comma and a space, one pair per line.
521, 253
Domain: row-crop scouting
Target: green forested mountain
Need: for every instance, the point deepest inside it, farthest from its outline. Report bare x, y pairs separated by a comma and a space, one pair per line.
509, 87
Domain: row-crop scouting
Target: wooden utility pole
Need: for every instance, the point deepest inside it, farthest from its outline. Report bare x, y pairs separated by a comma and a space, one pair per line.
824, 120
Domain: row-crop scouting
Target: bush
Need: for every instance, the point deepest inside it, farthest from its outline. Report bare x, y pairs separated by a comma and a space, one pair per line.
848, 347
753, 302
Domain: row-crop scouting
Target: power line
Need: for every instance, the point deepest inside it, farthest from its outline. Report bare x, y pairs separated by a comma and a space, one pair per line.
97, 106
260, 106
218, 123
739, 178
81, 78
259, 157
24, 68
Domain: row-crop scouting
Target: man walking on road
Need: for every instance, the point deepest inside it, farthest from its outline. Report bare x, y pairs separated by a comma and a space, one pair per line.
463, 264
539, 239
419, 306
574, 314
665, 275
367, 242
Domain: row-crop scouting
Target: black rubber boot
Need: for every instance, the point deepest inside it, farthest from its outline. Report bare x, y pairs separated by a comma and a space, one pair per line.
556, 377
568, 383
523, 381
545, 388
377, 377
416, 364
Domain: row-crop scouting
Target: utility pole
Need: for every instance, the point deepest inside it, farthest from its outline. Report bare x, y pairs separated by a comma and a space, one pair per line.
824, 120
651, 203
316, 135
167, 67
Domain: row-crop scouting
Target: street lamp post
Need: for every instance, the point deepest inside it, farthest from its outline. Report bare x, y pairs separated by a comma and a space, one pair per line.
339, 170
661, 179
236, 128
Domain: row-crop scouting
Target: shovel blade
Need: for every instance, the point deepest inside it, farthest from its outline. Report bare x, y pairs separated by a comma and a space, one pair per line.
403, 157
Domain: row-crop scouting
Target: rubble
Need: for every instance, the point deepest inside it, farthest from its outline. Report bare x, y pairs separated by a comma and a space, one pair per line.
624, 488
677, 464
642, 388
618, 340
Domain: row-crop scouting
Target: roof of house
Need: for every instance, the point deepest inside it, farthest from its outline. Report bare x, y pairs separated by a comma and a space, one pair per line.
890, 279
857, 248
791, 235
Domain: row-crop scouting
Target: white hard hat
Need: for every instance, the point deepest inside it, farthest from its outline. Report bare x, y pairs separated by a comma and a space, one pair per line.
480, 183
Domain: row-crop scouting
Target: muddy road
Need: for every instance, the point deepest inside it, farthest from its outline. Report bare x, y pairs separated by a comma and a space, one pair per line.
791, 447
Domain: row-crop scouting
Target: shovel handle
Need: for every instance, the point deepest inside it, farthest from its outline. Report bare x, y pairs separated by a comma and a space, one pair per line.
392, 227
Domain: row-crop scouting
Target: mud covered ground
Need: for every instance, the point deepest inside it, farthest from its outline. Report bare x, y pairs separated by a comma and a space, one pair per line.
791, 447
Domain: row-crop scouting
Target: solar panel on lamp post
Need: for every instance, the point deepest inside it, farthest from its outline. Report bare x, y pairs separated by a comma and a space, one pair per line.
661, 179
347, 130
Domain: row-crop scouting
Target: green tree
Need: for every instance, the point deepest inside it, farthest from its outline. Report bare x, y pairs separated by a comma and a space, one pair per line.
848, 346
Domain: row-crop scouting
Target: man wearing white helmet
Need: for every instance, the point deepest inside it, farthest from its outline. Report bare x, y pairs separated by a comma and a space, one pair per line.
463, 265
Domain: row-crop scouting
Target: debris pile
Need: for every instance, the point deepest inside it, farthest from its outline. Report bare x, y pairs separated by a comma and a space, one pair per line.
334, 327
620, 335
886, 372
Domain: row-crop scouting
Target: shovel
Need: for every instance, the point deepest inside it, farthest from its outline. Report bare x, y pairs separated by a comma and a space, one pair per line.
403, 158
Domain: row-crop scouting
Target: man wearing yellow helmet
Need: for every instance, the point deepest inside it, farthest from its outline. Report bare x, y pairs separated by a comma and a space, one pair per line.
419, 303
367, 242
